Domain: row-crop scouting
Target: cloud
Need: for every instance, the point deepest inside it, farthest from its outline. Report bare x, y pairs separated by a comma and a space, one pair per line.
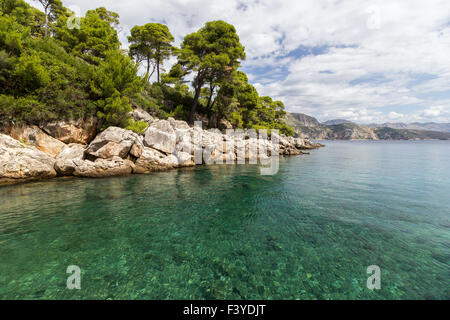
365, 60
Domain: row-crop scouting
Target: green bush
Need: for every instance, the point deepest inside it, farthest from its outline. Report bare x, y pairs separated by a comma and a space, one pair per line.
14, 110
30, 73
137, 126
115, 111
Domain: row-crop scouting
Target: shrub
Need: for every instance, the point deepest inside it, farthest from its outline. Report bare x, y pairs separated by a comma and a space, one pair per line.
137, 126
115, 111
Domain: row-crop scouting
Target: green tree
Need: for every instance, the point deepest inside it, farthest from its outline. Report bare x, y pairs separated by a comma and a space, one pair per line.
115, 82
94, 38
114, 111
111, 17
13, 35
30, 73
52, 9
151, 43
248, 99
24, 14
116, 73
212, 53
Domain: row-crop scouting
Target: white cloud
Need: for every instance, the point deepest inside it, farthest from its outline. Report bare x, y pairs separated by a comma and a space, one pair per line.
381, 54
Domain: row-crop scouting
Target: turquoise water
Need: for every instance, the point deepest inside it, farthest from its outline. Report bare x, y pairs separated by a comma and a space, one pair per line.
226, 232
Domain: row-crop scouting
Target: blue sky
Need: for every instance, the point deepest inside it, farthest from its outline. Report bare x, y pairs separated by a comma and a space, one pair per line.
366, 61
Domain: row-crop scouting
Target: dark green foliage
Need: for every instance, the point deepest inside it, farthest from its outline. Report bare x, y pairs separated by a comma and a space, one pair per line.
15, 110
116, 73
151, 43
114, 111
50, 69
212, 53
95, 37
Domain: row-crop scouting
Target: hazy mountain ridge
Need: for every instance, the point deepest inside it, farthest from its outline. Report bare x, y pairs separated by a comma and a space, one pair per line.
340, 129
337, 122
430, 126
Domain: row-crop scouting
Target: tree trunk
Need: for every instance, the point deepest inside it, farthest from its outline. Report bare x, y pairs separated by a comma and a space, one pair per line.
194, 104
211, 92
157, 68
46, 21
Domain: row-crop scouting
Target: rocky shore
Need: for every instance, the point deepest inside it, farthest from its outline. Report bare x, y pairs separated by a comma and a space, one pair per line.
72, 148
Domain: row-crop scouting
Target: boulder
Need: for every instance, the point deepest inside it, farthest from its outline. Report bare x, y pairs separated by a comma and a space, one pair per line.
161, 136
299, 143
113, 142
204, 120
184, 140
99, 168
224, 124
184, 159
178, 124
292, 152
152, 160
212, 155
212, 137
20, 162
34, 136
64, 164
72, 131
140, 114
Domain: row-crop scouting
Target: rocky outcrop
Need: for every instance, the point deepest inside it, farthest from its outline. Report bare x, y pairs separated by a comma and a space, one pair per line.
99, 168
64, 164
140, 114
166, 144
33, 135
152, 160
161, 136
113, 142
71, 162
224, 125
20, 162
72, 131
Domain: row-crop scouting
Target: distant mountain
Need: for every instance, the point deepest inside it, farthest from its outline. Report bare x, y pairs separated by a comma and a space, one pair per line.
430, 126
336, 122
303, 120
308, 127
387, 133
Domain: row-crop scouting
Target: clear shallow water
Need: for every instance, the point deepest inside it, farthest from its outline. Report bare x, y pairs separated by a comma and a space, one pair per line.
225, 232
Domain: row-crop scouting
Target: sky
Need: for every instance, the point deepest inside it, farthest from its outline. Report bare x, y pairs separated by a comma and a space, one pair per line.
366, 61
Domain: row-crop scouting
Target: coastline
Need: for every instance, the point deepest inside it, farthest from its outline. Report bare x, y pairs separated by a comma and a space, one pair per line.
71, 148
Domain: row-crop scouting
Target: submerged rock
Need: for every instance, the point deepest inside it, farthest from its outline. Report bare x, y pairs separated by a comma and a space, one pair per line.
21, 162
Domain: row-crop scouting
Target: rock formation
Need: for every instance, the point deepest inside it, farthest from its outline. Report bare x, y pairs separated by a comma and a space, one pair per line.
34, 153
21, 162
